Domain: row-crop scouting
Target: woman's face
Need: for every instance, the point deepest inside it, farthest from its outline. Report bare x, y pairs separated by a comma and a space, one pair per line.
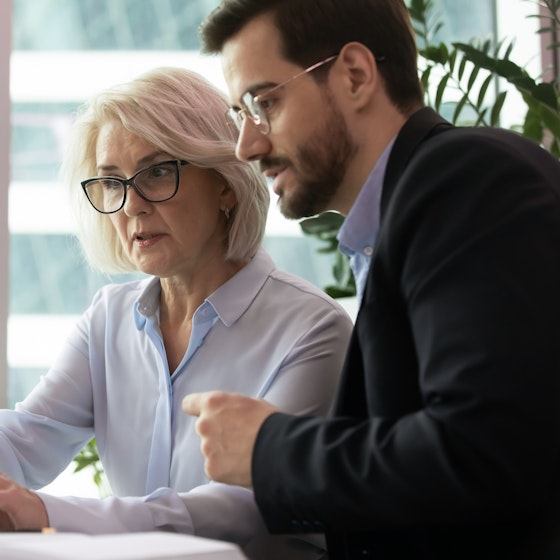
168, 239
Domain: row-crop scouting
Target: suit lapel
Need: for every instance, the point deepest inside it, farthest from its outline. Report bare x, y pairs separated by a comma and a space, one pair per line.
420, 126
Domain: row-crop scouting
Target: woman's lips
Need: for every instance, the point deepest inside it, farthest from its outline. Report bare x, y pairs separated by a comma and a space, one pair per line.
146, 240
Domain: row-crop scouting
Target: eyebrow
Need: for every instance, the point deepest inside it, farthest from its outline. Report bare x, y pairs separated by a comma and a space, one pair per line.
255, 90
145, 161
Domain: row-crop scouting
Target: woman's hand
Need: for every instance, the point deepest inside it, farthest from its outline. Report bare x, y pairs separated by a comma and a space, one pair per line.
20, 508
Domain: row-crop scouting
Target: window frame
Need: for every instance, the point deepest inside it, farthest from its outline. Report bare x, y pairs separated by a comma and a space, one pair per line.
5, 130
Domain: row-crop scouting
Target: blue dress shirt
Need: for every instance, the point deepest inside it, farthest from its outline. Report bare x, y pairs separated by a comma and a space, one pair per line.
359, 230
264, 333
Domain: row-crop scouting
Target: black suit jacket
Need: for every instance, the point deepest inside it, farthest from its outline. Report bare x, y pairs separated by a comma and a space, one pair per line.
445, 441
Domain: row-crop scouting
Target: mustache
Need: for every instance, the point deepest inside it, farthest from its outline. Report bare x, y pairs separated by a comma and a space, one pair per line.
271, 162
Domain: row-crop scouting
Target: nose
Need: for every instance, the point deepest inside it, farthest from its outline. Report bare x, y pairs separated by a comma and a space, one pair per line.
252, 145
134, 204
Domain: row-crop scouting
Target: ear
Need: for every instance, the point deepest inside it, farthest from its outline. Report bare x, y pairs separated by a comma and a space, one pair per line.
361, 79
227, 194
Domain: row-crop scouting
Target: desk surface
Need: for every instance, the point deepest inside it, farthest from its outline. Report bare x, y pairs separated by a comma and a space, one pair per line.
129, 546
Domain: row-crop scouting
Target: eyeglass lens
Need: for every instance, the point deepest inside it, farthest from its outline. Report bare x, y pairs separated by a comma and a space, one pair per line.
253, 107
155, 184
253, 110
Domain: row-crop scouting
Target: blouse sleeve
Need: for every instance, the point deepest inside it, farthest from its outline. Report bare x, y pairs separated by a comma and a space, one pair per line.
39, 438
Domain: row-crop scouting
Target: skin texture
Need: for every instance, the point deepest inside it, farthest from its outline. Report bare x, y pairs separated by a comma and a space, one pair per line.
353, 107
224, 435
20, 508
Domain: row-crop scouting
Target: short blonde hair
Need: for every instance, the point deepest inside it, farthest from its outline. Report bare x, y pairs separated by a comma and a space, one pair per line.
181, 113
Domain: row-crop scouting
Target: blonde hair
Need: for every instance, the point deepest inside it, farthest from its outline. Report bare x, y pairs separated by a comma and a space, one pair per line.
181, 113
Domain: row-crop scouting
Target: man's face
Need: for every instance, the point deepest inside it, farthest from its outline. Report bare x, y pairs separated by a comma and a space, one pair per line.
308, 149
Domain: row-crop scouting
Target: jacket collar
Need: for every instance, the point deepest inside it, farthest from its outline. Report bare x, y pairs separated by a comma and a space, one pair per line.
420, 126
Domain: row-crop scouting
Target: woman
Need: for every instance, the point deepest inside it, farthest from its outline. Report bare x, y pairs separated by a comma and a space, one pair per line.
166, 196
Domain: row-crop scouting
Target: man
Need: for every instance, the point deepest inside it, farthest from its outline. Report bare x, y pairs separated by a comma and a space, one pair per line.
445, 439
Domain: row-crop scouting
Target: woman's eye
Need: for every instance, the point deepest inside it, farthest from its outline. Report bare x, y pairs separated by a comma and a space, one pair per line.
160, 171
110, 184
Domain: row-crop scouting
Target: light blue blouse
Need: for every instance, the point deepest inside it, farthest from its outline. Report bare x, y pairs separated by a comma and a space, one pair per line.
264, 333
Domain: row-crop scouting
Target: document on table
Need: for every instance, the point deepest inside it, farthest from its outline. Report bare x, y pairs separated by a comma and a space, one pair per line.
129, 546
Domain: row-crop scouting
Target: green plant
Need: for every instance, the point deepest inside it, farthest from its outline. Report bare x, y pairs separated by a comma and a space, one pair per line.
88, 457
467, 81
467, 76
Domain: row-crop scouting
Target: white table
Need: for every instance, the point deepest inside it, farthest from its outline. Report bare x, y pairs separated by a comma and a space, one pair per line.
129, 546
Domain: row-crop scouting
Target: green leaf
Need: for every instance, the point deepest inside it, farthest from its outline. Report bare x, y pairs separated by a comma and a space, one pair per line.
459, 108
438, 54
462, 66
440, 91
551, 122
339, 292
483, 89
473, 76
327, 222
425, 77
452, 60
497, 108
547, 95
480, 120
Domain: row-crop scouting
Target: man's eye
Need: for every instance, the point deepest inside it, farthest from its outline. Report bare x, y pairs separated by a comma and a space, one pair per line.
267, 104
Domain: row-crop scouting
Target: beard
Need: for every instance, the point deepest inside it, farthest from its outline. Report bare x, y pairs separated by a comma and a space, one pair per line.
320, 166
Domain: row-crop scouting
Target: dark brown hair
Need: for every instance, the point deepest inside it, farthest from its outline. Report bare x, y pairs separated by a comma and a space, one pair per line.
312, 30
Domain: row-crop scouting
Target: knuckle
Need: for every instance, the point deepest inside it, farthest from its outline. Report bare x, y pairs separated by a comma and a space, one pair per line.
212, 471
216, 399
206, 448
203, 426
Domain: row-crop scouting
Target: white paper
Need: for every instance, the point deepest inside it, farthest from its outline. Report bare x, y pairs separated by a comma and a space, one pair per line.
129, 546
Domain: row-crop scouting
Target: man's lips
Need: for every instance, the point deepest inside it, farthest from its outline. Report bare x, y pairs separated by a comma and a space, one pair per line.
272, 174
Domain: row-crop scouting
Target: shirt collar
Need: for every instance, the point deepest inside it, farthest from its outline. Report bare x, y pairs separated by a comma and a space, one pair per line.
234, 297
359, 229
147, 302
229, 301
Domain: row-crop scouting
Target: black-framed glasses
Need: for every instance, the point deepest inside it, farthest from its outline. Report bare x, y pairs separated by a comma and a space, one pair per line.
253, 105
156, 183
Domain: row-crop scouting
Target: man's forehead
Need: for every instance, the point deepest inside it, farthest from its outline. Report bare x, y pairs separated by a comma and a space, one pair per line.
251, 56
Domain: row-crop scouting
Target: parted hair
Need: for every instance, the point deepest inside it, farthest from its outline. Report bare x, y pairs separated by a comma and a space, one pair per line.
312, 30
181, 113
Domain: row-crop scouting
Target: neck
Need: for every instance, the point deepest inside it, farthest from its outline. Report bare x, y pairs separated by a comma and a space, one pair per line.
373, 136
182, 295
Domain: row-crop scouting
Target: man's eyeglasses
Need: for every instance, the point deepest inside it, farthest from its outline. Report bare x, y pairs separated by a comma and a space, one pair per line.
253, 105
156, 183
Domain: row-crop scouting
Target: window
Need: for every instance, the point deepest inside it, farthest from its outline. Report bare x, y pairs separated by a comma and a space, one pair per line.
64, 50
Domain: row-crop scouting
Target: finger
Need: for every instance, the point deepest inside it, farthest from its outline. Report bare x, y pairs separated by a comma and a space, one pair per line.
6, 522
192, 404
